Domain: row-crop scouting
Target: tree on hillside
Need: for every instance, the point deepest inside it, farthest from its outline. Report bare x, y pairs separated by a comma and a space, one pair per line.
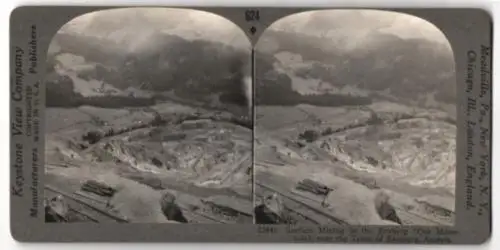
309, 136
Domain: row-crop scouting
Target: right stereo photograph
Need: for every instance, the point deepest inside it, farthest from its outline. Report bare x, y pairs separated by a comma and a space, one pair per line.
355, 121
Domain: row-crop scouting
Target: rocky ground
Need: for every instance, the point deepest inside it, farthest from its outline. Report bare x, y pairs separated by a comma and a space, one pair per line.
143, 155
132, 136
383, 163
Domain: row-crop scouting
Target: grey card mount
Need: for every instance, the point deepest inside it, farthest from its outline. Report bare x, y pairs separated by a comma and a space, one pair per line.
165, 124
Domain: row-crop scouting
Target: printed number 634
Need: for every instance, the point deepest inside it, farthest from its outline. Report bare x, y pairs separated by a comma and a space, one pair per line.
252, 15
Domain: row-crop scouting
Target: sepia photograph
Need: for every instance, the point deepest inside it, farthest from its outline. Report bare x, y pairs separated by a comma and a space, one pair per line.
149, 119
355, 121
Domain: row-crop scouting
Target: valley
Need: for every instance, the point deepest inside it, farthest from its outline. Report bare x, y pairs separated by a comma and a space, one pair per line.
144, 153
359, 153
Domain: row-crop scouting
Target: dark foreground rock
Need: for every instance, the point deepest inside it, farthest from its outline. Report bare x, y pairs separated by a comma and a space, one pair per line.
170, 208
271, 211
264, 215
56, 210
384, 209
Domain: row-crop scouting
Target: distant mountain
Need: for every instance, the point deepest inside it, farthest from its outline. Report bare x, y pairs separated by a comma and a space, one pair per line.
411, 70
194, 69
132, 27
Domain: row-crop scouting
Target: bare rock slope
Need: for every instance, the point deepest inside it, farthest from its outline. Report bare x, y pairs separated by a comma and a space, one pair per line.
408, 154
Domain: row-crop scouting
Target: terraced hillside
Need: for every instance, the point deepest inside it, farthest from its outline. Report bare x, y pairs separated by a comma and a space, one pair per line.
360, 153
355, 120
142, 125
204, 160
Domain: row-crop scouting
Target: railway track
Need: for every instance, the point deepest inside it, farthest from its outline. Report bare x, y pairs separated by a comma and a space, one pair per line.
91, 209
410, 218
312, 212
310, 209
407, 217
94, 209
201, 218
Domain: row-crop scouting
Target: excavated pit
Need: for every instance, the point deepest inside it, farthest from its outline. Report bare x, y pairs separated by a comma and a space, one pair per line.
408, 153
193, 156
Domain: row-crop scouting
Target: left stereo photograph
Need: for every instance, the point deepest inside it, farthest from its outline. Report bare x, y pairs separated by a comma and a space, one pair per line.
148, 119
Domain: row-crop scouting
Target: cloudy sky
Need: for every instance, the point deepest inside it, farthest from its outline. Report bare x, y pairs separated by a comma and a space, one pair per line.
138, 23
357, 23
346, 27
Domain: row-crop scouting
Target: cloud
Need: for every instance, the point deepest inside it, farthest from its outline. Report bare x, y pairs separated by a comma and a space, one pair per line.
347, 29
356, 24
139, 23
